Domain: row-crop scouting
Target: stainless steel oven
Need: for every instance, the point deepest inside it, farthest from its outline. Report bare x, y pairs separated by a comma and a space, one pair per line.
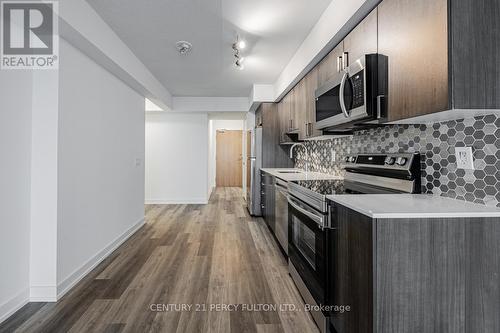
311, 239
307, 241
354, 96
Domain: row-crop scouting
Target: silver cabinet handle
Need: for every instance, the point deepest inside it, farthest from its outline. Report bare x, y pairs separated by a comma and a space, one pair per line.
339, 64
318, 219
341, 95
345, 60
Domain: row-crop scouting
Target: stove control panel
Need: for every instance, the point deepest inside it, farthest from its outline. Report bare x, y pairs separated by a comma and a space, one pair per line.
399, 161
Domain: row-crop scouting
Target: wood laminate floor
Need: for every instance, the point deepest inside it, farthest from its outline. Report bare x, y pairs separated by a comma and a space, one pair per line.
176, 274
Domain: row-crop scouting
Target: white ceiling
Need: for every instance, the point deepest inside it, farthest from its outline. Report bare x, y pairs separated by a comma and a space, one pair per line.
273, 29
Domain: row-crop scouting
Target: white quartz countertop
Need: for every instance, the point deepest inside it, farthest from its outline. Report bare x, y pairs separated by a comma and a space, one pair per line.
288, 175
412, 206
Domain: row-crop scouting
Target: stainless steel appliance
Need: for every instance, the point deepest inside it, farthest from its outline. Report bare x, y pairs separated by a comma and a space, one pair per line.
309, 226
354, 96
254, 163
281, 213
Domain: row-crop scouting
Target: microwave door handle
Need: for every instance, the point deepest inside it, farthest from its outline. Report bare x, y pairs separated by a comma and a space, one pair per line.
341, 95
319, 220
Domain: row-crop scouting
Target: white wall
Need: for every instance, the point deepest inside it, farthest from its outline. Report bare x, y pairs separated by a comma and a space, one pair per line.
215, 125
15, 149
101, 169
43, 251
176, 157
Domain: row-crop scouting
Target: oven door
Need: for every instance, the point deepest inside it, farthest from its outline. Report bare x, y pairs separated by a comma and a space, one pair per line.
307, 241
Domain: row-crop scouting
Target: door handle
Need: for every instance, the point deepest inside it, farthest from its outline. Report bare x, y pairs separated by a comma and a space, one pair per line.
341, 95
318, 219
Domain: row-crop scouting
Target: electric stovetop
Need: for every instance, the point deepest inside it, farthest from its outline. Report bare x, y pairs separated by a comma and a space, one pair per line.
323, 187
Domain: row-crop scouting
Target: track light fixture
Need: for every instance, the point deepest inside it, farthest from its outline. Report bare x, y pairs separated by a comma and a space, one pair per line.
239, 45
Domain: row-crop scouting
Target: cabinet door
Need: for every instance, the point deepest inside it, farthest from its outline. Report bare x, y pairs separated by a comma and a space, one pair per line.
283, 115
475, 32
352, 270
300, 109
288, 103
311, 84
414, 37
363, 39
328, 66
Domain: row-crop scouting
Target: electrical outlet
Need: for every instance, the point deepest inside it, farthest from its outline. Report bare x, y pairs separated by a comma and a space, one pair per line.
138, 162
464, 157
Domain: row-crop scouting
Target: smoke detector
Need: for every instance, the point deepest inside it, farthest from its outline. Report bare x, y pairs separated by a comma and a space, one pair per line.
183, 47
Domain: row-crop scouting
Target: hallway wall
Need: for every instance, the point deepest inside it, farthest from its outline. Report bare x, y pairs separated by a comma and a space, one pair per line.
15, 149
100, 162
176, 157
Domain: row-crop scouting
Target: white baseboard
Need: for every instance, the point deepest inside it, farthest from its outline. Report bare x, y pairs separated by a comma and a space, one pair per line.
212, 188
8, 308
43, 293
190, 201
86, 268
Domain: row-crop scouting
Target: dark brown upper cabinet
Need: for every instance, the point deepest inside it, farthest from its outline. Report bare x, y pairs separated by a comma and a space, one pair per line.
311, 84
443, 54
413, 35
362, 40
475, 50
330, 66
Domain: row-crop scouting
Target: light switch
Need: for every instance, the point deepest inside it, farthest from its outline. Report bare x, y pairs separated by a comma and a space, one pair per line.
464, 157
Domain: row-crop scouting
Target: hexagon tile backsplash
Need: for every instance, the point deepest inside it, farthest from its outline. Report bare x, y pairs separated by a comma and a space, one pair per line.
436, 144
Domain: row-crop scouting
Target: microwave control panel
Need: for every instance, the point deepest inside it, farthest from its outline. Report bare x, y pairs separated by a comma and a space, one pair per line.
358, 89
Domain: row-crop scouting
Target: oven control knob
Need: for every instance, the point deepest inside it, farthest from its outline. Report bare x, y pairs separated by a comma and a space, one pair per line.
390, 160
352, 159
401, 161
347, 159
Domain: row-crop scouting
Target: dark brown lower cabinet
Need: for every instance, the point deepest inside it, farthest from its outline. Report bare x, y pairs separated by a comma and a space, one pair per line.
268, 199
415, 275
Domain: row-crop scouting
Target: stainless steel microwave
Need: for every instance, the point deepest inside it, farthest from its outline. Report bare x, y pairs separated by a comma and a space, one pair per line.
355, 96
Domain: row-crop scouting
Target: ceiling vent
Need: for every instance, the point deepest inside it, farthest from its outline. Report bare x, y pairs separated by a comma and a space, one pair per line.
183, 47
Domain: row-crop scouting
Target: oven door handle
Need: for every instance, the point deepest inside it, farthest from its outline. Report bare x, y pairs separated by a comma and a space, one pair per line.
341, 95
320, 220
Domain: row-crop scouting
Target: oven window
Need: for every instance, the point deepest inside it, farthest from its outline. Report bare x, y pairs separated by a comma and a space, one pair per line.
305, 241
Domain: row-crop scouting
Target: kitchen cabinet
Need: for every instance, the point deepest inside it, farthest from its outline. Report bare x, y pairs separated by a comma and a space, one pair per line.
300, 112
431, 72
284, 118
352, 270
475, 53
268, 199
329, 66
294, 110
273, 155
414, 37
362, 40
414, 274
311, 84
